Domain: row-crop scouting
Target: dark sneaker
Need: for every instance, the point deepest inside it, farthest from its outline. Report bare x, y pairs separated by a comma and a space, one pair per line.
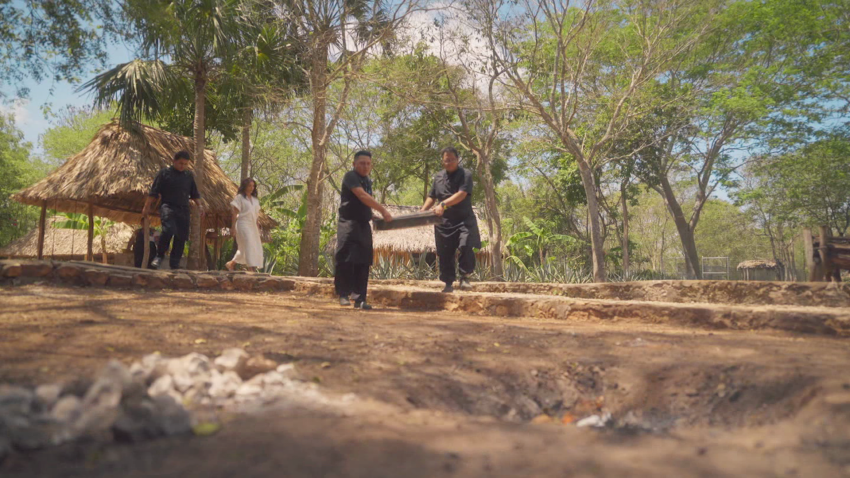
362, 306
156, 262
448, 288
465, 284
344, 301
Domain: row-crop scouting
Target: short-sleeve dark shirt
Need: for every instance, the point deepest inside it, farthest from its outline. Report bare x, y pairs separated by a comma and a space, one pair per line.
175, 187
446, 185
351, 208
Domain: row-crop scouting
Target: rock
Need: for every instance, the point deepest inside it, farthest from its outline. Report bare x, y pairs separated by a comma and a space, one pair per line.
182, 281
225, 284
269, 284
137, 422
15, 400
149, 280
36, 269
11, 271
224, 385
120, 280
597, 421
150, 368
250, 388
48, 394
100, 405
113, 376
206, 282
35, 434
5, 448
256, 365
173, 418
290, 372
164, 385
68, 272
243, 282
96, 277
188, 370
67, 409
231, 359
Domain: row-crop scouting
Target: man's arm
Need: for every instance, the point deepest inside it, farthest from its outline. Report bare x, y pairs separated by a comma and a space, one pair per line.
451, 201
429, 203
368, 200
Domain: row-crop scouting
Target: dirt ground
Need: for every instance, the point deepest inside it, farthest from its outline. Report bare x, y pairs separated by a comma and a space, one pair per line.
446, 394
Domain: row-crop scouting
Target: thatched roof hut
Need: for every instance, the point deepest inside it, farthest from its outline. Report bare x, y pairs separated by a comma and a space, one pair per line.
114, 173
759, 264
761, 269
415, 240
67, 244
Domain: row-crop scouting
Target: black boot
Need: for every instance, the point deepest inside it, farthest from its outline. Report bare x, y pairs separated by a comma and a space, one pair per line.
448, 288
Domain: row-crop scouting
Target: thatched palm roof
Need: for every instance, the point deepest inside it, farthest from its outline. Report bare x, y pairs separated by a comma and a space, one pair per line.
115, 172
67, 242
759, 264
414, 239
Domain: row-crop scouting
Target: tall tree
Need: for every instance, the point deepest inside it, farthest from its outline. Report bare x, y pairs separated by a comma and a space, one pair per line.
195, 36
583, 69
337, 37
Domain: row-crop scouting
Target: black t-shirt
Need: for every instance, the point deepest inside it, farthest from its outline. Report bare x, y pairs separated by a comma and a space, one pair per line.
175, 187
445, 186
350, 207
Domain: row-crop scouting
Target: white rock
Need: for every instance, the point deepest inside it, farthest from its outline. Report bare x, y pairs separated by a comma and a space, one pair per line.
67, 409
274, 379
193, 364
172, 417
594, 421
48, 394
224, 385
231, 359
165, 386
249, 388
182, 381
15, 400
114, 380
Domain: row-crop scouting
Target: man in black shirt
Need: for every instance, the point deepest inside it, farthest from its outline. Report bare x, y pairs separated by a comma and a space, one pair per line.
176, 187
452, 194
354, 232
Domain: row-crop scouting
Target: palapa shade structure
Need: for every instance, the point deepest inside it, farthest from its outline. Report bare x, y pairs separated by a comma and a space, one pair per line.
403, 244
111, 178
67, 244
750, 268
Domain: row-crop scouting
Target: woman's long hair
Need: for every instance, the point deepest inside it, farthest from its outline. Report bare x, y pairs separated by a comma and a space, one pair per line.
244, 186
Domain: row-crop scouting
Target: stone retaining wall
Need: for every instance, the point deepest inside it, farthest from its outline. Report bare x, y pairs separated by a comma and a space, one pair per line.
93, 274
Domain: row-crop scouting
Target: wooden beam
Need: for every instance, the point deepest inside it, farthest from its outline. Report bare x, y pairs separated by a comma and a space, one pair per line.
217, 247
41, 220
90, 245
147, 246
808, 247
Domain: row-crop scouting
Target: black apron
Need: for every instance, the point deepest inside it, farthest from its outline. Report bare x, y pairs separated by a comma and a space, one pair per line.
354, 242
175, 220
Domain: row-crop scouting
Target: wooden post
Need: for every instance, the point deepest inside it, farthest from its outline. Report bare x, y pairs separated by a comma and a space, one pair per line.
217, 247
809, 248
147, 242
90, 245
41, 220
824, 254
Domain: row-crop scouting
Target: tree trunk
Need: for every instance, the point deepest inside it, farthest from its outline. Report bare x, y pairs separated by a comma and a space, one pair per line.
104, 259
596, 240
689, 246
196, 231
247, 119
147, 247
308, 261
625, 208
41, 220
494, 221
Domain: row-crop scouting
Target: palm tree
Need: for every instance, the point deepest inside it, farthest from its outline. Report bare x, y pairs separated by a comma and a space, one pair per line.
195, 36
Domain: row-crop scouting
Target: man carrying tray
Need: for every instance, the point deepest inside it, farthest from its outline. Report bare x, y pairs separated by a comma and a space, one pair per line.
452, 194
354, 233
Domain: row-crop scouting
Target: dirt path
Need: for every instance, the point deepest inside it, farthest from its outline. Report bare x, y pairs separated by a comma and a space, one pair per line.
447, 394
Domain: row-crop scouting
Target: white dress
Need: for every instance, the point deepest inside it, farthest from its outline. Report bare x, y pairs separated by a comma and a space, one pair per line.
250, 248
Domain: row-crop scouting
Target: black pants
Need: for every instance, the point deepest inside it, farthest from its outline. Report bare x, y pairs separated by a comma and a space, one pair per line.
447, 246
175, 224
176, 248
351, 278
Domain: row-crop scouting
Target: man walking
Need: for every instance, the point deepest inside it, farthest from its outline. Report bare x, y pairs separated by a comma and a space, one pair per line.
175, 185
354, 233
452, 194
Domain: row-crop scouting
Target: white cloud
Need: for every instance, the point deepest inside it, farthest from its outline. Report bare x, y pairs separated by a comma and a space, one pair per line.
19, 109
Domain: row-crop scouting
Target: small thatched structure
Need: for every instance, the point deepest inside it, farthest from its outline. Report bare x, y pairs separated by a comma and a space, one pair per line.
410, 244
111, 178
68, 244
761, 269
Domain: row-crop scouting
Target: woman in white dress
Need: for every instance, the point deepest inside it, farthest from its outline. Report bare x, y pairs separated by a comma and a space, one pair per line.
246, 211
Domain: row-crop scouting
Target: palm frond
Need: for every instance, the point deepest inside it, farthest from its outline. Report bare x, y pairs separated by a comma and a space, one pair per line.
136, 87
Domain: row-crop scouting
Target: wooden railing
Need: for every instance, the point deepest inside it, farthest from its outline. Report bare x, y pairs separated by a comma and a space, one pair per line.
826, 255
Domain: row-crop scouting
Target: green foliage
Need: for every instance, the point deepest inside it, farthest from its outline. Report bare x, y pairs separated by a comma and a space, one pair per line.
71, 132
17, 171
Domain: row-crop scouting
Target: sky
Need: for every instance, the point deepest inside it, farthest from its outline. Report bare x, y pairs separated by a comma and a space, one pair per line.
28, 112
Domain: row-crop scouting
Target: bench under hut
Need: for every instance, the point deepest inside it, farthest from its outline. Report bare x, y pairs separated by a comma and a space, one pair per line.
111, 178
